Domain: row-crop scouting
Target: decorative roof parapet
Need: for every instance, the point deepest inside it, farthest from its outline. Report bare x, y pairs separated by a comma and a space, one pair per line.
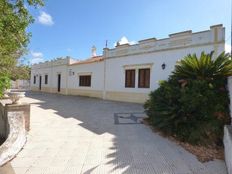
184, 39
55, 62
147, 40
181, 34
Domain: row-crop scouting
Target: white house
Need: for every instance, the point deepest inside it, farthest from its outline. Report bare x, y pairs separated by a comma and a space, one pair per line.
126, 72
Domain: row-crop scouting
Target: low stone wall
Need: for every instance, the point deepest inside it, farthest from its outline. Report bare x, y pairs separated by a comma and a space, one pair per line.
228, 134
15, 121
25, 108
228, 147
3, 122
230, 93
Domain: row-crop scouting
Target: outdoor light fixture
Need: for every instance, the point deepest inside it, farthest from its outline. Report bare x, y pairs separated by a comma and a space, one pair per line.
71, 73
163, 66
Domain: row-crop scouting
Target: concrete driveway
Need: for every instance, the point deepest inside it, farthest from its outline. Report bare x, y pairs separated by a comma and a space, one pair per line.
72, 135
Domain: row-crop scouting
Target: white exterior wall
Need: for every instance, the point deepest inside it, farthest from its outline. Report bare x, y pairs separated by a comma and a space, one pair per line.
62, 70
37, 73
69, 82
152, 53
116, 67
34, 72
108, 76
52, 69
95, 69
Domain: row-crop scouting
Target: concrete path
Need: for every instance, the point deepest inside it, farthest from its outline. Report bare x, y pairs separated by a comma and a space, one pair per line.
72, 135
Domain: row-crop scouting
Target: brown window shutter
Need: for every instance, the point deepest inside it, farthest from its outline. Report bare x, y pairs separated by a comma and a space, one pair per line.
141, 78
133, 78
144, 78
85, 80
130, 78
147, 78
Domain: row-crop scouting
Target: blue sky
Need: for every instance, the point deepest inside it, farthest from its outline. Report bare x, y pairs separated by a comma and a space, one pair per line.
71, 28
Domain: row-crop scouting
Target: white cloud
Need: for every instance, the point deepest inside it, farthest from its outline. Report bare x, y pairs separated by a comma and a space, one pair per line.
36, 54
36, 57
36, 60
124, 40
227, 48
45, 19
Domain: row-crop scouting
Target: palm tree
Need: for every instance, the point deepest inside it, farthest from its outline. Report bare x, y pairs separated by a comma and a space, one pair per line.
204, 68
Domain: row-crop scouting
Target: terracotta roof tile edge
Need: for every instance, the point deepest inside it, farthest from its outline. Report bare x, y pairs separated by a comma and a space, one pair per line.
91, 60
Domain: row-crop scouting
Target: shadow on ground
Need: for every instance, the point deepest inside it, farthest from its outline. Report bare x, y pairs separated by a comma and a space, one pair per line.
97, 116
133, 147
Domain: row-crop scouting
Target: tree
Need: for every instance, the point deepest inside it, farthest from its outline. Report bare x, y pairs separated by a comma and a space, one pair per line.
14, 19
205, 67
21, 72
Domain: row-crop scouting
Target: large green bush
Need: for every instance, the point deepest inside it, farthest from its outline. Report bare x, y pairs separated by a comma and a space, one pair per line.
189, 108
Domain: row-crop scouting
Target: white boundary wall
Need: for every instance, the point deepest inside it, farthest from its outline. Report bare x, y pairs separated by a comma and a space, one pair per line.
20, 84
230, 93
228, 133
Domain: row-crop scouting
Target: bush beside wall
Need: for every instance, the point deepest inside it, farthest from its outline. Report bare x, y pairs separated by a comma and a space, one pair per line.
193, 104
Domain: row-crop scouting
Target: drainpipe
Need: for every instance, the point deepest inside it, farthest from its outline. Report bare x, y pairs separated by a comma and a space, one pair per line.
66, 87
104, 57
51, 81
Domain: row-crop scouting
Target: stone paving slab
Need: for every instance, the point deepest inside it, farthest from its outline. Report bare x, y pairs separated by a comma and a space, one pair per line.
78, 135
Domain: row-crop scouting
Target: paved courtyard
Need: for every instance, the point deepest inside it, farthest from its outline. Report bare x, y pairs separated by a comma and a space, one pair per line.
73, 135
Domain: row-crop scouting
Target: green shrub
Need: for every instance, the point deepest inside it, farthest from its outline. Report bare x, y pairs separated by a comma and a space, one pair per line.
192, 109
4, 84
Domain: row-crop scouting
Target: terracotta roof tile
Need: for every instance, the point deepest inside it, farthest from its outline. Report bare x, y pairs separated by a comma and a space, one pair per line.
90, 60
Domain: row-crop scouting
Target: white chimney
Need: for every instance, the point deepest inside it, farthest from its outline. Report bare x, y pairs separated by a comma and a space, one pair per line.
94, 53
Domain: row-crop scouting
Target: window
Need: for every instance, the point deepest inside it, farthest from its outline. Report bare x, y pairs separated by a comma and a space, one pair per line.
144, 78
130, 78
46, 79
85, 80
34, 80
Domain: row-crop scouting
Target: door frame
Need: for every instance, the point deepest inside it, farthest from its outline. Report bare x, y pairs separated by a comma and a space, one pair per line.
40, 82
58, 82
